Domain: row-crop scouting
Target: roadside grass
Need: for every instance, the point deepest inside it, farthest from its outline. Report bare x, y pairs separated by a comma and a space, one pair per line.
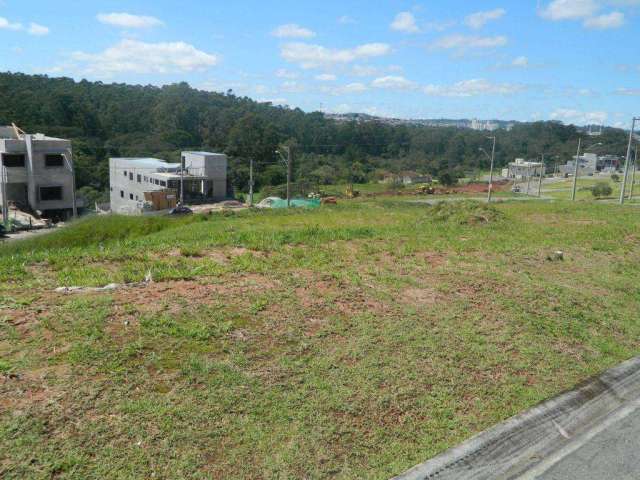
352, 341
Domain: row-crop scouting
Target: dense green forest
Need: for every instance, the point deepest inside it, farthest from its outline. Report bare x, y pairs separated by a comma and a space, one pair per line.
106, 120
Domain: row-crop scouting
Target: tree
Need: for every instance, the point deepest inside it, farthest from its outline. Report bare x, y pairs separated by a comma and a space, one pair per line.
447, 179
601, 189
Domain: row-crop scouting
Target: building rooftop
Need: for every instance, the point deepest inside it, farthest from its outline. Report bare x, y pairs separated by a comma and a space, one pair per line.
149, 163
203, 153
9, 133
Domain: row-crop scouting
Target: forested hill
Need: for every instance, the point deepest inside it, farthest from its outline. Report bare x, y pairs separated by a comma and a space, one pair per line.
129, 120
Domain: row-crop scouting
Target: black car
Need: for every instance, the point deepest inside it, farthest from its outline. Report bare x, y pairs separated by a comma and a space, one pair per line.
3, 231
181, 211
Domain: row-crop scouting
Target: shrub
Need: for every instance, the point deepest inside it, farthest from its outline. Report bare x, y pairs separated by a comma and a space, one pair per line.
615, 177
466, 213
601, 189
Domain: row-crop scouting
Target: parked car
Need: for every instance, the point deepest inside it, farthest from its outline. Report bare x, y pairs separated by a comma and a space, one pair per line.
3, 231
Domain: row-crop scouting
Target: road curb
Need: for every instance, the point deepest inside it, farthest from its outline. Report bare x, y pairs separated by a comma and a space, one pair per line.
509, 449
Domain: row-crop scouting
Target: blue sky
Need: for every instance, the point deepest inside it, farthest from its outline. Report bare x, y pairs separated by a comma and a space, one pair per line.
570, 60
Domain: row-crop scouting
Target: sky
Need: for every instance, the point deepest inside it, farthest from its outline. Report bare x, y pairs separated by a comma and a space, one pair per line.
570, 60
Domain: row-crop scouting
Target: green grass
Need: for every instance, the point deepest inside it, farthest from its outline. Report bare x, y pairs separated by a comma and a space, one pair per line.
351, 341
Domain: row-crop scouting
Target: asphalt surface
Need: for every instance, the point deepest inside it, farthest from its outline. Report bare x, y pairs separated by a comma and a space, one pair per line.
613, 453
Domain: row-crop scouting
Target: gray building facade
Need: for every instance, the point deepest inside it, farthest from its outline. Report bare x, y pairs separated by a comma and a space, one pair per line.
37, 173
204, 179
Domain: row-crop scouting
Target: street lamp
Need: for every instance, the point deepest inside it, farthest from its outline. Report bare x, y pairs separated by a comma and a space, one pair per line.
626, 166
492, 160
575, 172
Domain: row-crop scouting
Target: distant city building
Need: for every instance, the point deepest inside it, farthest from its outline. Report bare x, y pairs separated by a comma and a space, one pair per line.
38, 173
146, 184
590, 163
485, 126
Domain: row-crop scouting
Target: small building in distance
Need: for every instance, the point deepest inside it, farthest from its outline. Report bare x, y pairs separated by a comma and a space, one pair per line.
523, 169
38, 174
406, 178
139, 185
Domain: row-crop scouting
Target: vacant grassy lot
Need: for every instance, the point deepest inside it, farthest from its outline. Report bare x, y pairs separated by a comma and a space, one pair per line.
348, 342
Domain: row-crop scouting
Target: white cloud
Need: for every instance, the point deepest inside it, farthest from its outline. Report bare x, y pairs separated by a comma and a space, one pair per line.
364, 71
570, 9
127, 20
292, 30
350, 88
7, 25
139, 57
603, 22
577, 117
346, 20
405, 22
466, 42
326, 77
37, 29
632, 92
393, 83
32, 29
284, 73
471, 88
480, 19
291, 86
314, 56
520, 62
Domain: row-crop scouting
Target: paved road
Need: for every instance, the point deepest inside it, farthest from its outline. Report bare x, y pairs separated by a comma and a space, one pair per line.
612, 453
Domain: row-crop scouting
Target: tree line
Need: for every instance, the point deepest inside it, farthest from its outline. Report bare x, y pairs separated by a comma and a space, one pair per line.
110, 120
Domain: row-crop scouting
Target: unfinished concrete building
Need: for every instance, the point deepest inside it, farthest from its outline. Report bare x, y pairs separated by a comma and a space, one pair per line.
142, 185
36, 174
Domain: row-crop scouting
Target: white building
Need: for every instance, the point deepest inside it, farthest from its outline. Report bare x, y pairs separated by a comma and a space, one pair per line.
131, 181
36, 173
523, 169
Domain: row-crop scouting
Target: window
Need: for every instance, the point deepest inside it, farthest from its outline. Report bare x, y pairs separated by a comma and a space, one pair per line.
125, 173
156, 181
139, 178
54, 160
13, 159
136, 198
121, 193
131, 176
50, 193
146, 179
131, 196
163, 184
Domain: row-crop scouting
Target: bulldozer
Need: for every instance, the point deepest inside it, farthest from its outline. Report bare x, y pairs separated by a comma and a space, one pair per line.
351, 193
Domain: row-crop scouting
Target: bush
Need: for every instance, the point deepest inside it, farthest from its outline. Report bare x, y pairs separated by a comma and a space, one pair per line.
466, 213
601, 189
615, 177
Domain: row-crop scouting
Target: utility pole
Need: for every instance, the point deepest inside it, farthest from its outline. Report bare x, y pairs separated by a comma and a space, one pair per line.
626, 166
182, 164
575, 171
68, 158
289, 171
251, 182
289, 165
5, 204
633, 174
542, 170
493, 157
